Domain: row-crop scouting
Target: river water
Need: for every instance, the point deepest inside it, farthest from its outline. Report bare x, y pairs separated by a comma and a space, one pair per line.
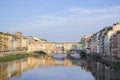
49, 68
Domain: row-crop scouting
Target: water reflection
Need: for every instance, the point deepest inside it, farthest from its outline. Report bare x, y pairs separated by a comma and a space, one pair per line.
103, 72
48, 68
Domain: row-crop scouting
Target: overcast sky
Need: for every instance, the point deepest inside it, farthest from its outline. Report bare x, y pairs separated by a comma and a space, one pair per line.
58, 20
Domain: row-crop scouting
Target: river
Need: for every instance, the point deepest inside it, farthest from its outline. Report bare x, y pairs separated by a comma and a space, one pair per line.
49, 68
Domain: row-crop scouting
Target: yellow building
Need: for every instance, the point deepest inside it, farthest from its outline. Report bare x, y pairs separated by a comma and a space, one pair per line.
19, 38
4, 41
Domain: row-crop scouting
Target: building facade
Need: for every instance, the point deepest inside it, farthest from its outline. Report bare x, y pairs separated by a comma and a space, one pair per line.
105, 42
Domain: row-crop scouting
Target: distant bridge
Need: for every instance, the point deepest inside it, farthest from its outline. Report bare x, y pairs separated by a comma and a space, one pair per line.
58, 47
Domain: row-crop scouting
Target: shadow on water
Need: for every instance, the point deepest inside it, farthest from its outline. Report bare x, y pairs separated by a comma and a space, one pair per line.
49, 68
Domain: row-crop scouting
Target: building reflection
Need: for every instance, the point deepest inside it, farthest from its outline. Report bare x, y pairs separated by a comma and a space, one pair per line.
15, 68
98, 70
103, 72
3, 71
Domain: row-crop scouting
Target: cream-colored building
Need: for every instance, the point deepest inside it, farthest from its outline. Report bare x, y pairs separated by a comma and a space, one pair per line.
84, 41
101, 41
34, 43
107, 40
24, 43
12, 42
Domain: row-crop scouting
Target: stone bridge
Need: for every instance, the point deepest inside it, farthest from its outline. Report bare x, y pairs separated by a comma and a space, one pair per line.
57, 47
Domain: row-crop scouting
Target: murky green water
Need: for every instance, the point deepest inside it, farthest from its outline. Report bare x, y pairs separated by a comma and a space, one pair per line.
48, 68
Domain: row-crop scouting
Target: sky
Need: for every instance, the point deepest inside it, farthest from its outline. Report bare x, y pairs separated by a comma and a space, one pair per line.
58, 20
